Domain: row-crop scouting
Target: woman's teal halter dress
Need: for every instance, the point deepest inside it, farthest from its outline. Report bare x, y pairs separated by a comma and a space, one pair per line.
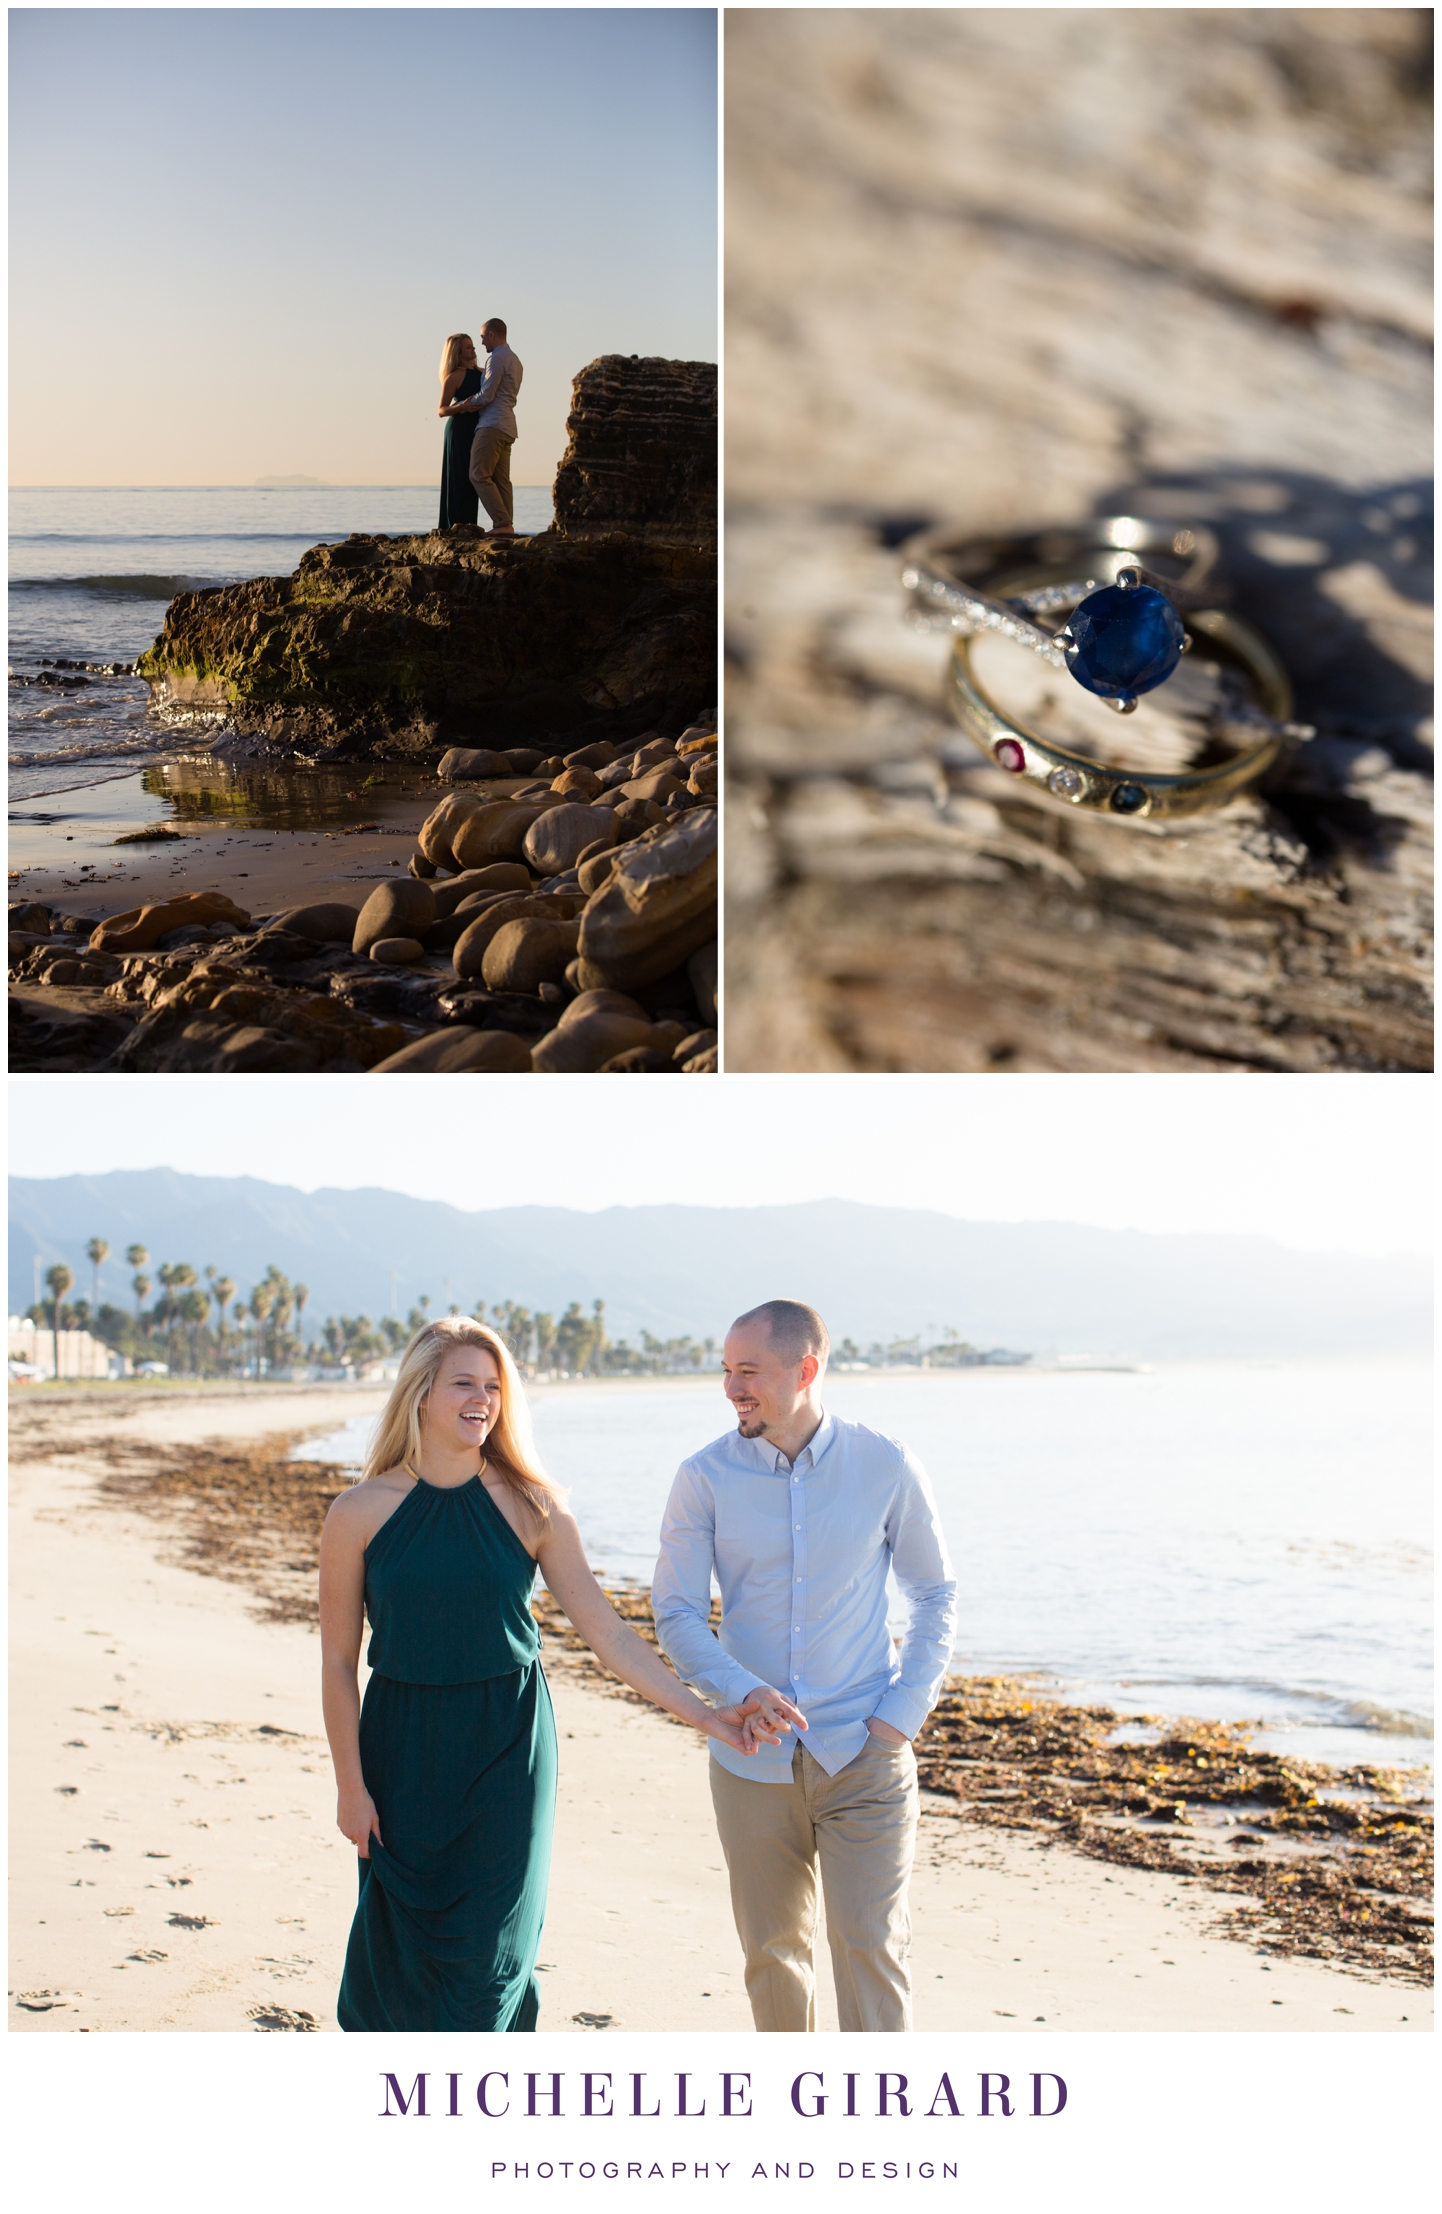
460, 502
458, 1751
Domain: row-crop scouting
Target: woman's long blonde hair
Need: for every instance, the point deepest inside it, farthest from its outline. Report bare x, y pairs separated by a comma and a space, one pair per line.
509, 1449
451, 352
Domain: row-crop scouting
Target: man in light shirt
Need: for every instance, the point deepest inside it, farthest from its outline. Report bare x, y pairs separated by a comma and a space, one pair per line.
494, 408
800, 1516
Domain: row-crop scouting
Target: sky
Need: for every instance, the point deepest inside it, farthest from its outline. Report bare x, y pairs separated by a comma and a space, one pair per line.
1320, 1164
240, 237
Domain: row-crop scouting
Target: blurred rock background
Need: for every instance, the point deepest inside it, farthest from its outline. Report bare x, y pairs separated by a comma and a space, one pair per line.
1012, 266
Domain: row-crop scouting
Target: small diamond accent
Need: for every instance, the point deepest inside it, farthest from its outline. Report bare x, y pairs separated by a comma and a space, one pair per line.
1066, 783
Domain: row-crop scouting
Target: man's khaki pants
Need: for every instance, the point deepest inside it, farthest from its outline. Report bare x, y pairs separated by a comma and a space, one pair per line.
861, 1826
491, 474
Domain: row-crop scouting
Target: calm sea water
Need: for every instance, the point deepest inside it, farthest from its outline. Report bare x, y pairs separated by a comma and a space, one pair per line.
1229, 1541
93, 570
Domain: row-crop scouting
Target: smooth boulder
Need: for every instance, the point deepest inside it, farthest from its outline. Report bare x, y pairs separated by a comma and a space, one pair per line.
593, 1028
557, 839
528, 952
469, 952
437, 834
640, 1060
139, 928
498, 876
403, 909
473, 761
457, 1049
497, 832
578, 783
656, 784
395, 953
329, 922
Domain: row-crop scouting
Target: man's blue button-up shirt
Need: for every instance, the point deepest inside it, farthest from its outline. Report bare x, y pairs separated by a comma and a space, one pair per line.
801, 1553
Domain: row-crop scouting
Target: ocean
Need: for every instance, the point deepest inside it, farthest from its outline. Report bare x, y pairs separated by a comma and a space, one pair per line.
1246, 1543
92, 571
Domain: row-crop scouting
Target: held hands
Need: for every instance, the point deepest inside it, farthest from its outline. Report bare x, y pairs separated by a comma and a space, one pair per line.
762, 1718
356, 1817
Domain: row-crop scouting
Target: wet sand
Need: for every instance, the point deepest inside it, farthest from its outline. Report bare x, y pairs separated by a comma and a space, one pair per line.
176, 1865
269, 838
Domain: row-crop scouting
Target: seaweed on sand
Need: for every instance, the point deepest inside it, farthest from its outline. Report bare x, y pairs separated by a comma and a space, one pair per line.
1335, 1864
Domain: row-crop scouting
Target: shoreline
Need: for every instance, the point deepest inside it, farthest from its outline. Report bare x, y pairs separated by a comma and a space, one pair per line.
166, 1706
352, 838
178, 1868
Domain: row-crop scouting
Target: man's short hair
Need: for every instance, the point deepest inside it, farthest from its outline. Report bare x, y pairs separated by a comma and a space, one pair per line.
795, 1330
494, 323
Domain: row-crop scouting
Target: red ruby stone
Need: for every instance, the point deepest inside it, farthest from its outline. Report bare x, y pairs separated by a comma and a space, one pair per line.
1009, 755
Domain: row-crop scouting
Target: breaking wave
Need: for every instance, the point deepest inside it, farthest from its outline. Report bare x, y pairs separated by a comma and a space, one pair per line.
120, 588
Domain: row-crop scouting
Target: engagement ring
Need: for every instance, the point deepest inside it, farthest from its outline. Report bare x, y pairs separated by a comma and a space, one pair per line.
1127, 625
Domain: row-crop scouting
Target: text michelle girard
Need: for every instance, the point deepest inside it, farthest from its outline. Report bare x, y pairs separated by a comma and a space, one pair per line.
815, 2095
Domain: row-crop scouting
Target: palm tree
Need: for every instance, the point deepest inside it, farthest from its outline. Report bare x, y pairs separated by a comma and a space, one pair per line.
95, 1253
260, 1300
140, 1285
136, 1256
300, 1293
58, 1281
182, 1277
194, 1307
175, 1276
222, 1291
280, 1305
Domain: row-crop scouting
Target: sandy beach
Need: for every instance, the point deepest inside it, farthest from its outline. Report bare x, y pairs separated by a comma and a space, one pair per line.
175, 1863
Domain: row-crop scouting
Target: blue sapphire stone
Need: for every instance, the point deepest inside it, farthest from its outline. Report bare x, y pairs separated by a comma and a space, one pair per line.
1126, 641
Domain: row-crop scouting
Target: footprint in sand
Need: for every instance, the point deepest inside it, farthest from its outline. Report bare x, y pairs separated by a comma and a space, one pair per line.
116, 1912
596, 2021
40, 2002
280, 2018
191, 1922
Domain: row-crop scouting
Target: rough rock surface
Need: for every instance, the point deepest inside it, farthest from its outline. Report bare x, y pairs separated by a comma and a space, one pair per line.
1220, 311
389, 647
642, 451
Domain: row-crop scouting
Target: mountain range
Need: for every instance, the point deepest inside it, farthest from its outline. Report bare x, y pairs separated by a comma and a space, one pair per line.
876, 1273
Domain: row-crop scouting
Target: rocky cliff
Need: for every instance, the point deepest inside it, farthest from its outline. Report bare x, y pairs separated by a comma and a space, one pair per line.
642, 452
602, 627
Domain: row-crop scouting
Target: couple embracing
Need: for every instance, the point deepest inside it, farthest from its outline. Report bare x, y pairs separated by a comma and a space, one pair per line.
446, 1774
479, 408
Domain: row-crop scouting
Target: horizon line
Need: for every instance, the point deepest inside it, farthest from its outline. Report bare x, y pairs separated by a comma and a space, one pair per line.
321, 484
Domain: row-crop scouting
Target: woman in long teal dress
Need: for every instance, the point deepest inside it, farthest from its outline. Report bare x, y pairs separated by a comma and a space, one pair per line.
460, 380
446, 1777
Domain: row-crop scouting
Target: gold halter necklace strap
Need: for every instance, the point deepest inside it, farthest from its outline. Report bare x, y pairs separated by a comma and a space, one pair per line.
415, 1479
1128, 793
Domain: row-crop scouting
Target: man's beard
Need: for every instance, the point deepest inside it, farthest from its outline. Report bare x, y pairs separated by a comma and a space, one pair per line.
751, 1426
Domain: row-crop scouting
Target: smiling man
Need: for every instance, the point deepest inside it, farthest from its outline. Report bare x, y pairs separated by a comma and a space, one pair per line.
800, 1516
